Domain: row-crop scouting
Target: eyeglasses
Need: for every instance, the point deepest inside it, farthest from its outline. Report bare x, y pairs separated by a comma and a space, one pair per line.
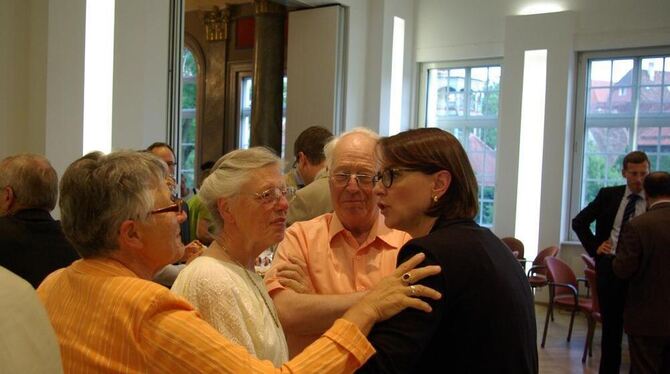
176, 207
386, 176
274, 194
342, 179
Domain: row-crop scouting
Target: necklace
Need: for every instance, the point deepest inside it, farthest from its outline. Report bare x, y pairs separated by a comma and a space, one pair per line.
275, 319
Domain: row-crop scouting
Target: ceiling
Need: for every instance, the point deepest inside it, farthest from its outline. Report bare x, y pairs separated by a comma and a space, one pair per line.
291, 4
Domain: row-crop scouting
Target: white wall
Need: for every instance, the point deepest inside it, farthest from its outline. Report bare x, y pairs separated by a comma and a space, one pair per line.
139, 115
463, 29
23, 34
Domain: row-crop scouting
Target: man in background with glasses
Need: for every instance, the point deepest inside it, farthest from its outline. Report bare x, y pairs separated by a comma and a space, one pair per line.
325, 265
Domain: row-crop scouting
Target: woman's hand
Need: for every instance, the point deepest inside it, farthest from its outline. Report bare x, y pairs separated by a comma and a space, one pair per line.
191, 251
394, 293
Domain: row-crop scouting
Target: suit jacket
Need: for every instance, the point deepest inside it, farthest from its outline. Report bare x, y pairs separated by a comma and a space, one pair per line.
643, 256
485, 320
603, 210
311, 201
32, 245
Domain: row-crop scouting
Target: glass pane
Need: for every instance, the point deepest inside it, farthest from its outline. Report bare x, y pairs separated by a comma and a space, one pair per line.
652, 71
189, 67
618, 140
595, 167
663, 162
650, 99
188, 122
622, 72
188, 95
600, 73
436, 97
456, 104
648, 139
666, 98
491, 103
667, 70
598, 100
456, 84
622, 100
494, 78
478, 79
477, 103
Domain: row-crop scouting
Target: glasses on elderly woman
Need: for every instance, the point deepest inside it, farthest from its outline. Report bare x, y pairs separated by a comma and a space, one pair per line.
386, 176
176, 207
274, 194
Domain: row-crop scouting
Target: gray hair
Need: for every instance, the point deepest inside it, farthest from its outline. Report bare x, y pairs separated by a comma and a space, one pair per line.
32, 179
99, 192
228, 175
329, 148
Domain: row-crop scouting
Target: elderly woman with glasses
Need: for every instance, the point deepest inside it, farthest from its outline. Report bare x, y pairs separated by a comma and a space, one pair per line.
486, 321
248, 199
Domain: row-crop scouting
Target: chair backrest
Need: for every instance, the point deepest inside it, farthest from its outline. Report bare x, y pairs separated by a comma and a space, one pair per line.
559, 272
591, 278
551, 251
514, 245
589, 261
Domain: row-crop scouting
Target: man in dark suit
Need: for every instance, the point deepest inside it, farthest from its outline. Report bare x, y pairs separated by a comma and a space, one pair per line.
612, 207
32, 244
644, 258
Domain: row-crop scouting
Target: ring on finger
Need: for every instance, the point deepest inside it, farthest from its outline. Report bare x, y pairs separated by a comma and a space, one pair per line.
412, 290
406, 278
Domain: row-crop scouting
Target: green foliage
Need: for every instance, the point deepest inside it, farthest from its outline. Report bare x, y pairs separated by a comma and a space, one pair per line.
188, 96
189, 67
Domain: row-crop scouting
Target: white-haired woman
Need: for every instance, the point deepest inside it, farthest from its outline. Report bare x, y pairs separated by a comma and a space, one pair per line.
248, 199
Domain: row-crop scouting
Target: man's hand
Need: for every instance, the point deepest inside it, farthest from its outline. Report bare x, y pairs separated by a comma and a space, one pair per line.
605, 248
292, 275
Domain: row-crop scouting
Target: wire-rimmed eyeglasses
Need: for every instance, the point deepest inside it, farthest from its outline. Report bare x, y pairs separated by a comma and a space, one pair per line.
274, 194
343, 179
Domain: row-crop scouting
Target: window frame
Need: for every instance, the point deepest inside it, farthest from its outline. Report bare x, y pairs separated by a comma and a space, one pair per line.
579, 135
465, 122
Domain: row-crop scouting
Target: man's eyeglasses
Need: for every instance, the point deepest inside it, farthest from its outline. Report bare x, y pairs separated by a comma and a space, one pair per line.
274, 194
342, 179
176, 207
386, 176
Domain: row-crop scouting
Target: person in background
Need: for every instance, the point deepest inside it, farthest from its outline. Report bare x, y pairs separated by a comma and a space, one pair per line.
313, 199
193, 248
309, 159
325, 265
28, 341
248, 198
643, 257
486, 321
200, 220
611, 209
108, 315
32, 244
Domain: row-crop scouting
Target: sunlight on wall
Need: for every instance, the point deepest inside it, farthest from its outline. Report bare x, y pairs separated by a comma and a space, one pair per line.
541, 8
397, 56
529, 182
98, 76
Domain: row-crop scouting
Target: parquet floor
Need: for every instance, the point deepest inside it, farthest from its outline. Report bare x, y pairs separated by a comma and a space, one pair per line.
559, 356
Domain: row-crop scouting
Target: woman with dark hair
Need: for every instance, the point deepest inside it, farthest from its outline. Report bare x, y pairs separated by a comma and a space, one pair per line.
485, 322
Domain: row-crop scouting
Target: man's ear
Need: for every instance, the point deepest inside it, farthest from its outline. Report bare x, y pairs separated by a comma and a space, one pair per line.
302, 160
7, 200
130, 235
441, 183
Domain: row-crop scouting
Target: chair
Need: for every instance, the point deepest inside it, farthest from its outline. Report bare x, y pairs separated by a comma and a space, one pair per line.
514, 245
595, 313
537, 276
564, 293
589, 261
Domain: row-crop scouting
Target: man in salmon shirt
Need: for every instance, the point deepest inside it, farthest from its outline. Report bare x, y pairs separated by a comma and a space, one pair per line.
325, 265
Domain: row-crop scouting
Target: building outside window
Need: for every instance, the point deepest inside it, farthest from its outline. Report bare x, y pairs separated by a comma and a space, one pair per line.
464, 100
624, 105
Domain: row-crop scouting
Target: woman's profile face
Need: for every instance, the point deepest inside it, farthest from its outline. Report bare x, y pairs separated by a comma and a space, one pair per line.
259, 210
404, 196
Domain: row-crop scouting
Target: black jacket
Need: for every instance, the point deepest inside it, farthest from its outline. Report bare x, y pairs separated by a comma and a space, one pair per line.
603, 210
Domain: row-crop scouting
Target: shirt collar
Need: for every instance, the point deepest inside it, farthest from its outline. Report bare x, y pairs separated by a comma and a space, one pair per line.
102, 266
629, 192
379, 230
659, 202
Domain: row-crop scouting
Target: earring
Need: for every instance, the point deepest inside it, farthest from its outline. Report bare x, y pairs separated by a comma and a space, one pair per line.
435, 199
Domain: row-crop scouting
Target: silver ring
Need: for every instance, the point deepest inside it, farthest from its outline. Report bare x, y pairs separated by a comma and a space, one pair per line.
412, 290
407, 278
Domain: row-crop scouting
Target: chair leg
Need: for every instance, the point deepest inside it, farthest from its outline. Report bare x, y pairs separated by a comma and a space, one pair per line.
589, 336
546, 322
572, 320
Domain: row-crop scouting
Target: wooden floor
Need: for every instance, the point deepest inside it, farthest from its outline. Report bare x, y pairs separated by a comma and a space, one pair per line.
559, 356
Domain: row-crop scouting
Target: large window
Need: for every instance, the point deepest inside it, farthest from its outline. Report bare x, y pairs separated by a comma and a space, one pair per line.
464, 100
624, 105
188, 133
